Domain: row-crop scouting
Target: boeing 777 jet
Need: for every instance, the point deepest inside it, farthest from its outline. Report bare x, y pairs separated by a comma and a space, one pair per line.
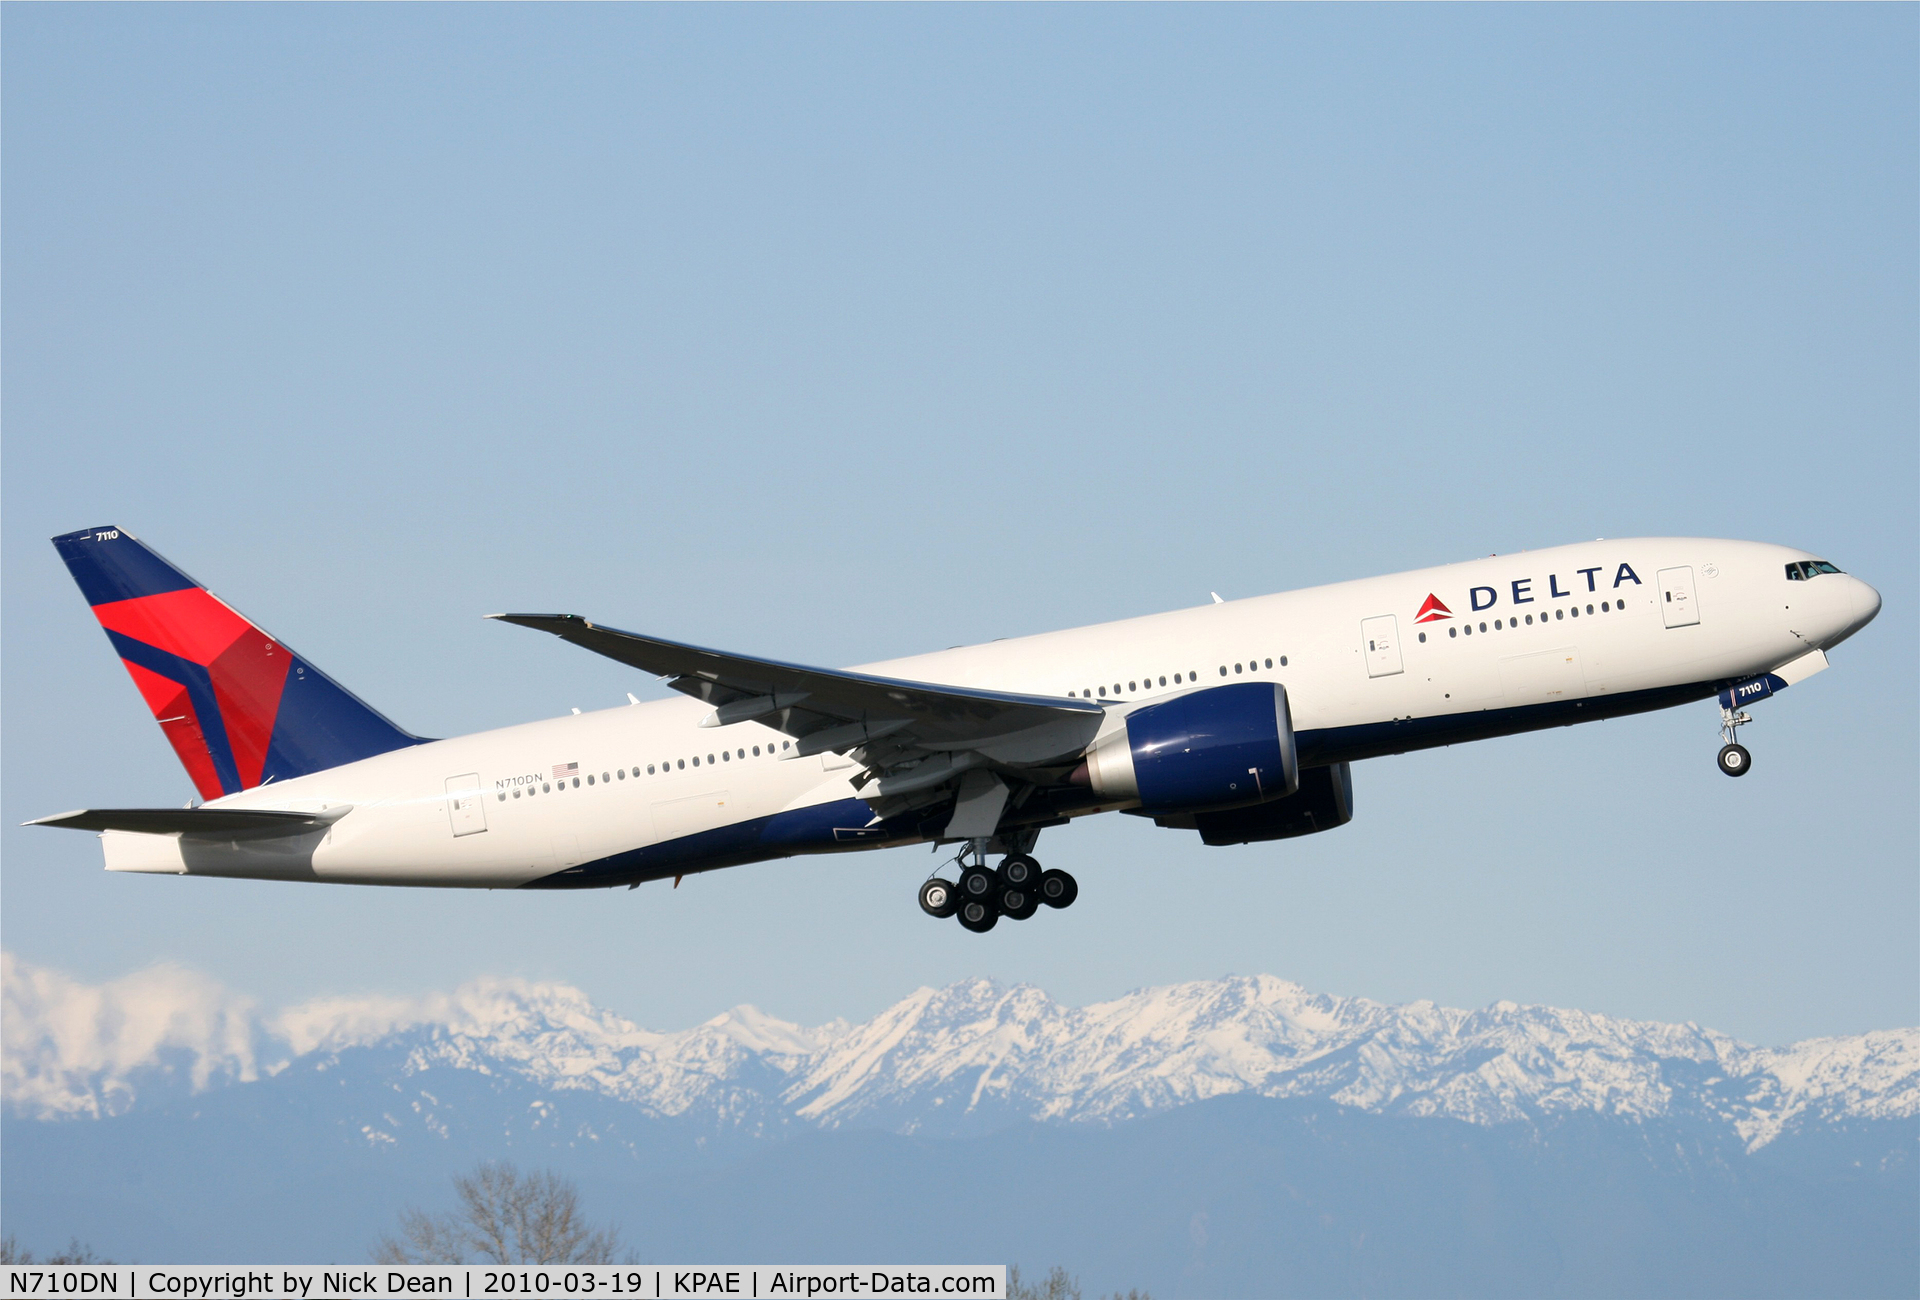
1237, 720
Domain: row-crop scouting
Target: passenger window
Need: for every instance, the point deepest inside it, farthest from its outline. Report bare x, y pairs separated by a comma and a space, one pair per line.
544, 788
1559, 613
1283, 661
1163, 681
1133, 686
589, 778
1103, 692
1269, 663
576, 782
1236, 669
1423, 638
1176, 679
1575, 611
756, 751
1453, 631
516, 794
696, 760
1116, 688
1589, 609
726, 756
649, 769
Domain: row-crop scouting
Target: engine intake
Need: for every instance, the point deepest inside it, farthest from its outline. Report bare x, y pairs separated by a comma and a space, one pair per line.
1225, 747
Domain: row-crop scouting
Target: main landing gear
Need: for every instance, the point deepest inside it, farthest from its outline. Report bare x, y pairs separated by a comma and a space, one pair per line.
1734, 759
983, 895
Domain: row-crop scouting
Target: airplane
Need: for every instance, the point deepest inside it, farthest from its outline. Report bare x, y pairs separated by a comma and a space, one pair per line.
1239, 720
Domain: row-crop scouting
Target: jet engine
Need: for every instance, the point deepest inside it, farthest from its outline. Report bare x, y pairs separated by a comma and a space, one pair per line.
1225, 747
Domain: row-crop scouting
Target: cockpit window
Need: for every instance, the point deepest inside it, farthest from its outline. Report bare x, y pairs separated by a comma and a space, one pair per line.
1801, 570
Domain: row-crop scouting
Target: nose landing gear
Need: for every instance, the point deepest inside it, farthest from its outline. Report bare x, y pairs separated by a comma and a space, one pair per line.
1734, 759
983, 895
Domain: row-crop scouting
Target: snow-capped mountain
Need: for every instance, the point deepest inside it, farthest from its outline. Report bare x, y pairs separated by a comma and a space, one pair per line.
964, 1059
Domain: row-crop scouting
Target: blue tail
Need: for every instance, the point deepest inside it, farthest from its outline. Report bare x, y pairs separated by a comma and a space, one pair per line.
239, 708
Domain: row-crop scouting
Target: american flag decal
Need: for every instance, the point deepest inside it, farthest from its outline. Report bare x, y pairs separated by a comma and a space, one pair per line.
561, 771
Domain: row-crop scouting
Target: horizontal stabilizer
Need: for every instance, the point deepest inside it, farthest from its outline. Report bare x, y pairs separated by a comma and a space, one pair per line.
192, 821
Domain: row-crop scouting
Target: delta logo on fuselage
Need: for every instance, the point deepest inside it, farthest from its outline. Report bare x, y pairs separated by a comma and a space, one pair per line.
1521, 592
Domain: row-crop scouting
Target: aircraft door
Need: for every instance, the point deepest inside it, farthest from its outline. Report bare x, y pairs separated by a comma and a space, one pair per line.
1381, 639
1678, 608
466, 805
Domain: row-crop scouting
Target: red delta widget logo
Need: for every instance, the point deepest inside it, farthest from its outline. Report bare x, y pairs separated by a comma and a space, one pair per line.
1521, 591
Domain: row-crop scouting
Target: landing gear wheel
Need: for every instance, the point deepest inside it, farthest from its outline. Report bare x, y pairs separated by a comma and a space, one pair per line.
938, 898
1058, 889
977, 916
1735, 760
980, 883
1019, 904
1021, 870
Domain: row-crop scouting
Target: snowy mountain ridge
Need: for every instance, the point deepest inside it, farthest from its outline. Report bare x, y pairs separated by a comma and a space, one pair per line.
966, 1058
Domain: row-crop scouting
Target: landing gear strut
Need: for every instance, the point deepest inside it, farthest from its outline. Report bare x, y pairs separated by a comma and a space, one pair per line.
983, 895
1734, 759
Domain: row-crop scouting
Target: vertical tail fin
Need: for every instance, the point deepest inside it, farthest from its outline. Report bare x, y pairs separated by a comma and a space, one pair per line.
239, 708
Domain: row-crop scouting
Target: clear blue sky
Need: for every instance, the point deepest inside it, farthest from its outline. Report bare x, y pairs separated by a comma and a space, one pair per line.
842, 333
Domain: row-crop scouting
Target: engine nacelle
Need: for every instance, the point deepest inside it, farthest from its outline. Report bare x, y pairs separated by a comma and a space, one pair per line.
1219, 748
1323, 801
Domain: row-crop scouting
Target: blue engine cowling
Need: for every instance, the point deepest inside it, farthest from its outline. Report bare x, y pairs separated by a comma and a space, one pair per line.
1225, 747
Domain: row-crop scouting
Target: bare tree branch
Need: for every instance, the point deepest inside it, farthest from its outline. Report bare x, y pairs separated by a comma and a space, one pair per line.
504, 1217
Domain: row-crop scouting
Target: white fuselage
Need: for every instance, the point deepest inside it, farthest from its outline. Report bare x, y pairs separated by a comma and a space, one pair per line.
1557, 636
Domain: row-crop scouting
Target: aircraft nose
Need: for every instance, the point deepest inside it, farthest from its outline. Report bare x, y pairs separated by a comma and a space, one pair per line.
1866, 604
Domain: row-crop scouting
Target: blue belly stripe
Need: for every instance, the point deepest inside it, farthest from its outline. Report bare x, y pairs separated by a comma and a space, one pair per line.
843, 824
822, 827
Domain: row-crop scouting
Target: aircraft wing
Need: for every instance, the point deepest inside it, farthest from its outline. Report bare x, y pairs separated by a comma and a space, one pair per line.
190, 821
825, 709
